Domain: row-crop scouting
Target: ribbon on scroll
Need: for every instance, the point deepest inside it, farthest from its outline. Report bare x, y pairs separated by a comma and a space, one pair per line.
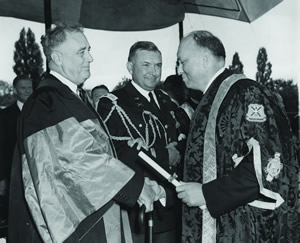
161, 171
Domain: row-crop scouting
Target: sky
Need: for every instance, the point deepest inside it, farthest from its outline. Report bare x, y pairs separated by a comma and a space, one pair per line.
277, 31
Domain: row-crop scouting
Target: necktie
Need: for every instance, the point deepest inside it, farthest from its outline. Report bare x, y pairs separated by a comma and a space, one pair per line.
84, 97
154, 104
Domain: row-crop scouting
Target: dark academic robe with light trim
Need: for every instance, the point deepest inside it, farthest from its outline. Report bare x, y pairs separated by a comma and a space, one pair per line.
66, 184
235, 198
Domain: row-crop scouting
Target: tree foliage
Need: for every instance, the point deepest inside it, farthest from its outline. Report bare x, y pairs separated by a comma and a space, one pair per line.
27, 56
237, 66
264, 68
122, 83
289, 93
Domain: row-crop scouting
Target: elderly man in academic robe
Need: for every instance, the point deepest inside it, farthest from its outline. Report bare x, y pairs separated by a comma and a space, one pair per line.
240, 162
67, 184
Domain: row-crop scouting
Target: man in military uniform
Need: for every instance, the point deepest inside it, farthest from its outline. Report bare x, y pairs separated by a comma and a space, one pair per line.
138, 111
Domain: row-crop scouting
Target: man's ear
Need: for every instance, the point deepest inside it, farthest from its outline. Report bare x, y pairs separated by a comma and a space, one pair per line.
206, 58
56, 57
129, 67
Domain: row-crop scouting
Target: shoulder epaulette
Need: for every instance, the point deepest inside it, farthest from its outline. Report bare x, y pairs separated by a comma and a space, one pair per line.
110, 96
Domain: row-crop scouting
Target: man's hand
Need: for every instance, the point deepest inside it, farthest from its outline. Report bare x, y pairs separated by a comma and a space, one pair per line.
147, 197
174, 155
139, 142
191, 193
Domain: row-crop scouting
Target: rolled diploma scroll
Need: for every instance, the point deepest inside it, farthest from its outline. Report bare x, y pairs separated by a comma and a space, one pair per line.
158, 168
161, 171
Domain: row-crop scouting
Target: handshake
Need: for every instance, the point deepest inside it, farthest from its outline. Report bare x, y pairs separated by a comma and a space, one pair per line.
151, 192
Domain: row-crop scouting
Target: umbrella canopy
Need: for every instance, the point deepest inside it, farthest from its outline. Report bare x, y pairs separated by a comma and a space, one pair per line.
35, 10
131, 15
243, 10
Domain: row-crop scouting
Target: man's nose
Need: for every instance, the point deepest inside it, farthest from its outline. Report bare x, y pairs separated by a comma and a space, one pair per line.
179, 69
89, 57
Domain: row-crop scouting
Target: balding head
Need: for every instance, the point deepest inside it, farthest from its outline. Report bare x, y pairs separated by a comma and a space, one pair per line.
200, 55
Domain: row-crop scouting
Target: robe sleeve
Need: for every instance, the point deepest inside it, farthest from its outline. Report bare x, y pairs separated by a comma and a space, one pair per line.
265, 174
68, 174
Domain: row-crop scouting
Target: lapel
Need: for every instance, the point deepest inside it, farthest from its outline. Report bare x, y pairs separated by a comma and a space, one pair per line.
163, 104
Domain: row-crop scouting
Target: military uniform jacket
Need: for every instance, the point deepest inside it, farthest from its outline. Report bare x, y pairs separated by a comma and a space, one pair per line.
128, 114
254, 197
67, 171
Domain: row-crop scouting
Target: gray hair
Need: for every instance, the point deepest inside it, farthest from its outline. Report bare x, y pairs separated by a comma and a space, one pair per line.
56, 36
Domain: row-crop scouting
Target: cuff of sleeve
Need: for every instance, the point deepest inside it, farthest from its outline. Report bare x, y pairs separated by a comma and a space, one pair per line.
163, 196
132, 189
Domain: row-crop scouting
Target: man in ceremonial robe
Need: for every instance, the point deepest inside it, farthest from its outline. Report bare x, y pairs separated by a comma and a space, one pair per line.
240, 175
67, 185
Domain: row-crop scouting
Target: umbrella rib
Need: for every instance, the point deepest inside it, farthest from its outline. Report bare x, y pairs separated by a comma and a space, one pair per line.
214, 7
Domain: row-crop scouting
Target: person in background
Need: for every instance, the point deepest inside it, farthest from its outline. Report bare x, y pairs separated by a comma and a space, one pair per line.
176, 89
97, 92
67, 185
131, 113
184, 100
194, 97
22, 86
240, 161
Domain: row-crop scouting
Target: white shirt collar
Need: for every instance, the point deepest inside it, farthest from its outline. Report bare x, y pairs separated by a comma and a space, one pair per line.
65, 81
20, 104
213, 78
143, 92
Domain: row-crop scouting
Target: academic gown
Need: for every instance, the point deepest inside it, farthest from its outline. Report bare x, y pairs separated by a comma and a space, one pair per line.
254, 197
65, 168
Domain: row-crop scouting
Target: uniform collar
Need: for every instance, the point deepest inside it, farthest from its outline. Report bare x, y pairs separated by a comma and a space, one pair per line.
143, 92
